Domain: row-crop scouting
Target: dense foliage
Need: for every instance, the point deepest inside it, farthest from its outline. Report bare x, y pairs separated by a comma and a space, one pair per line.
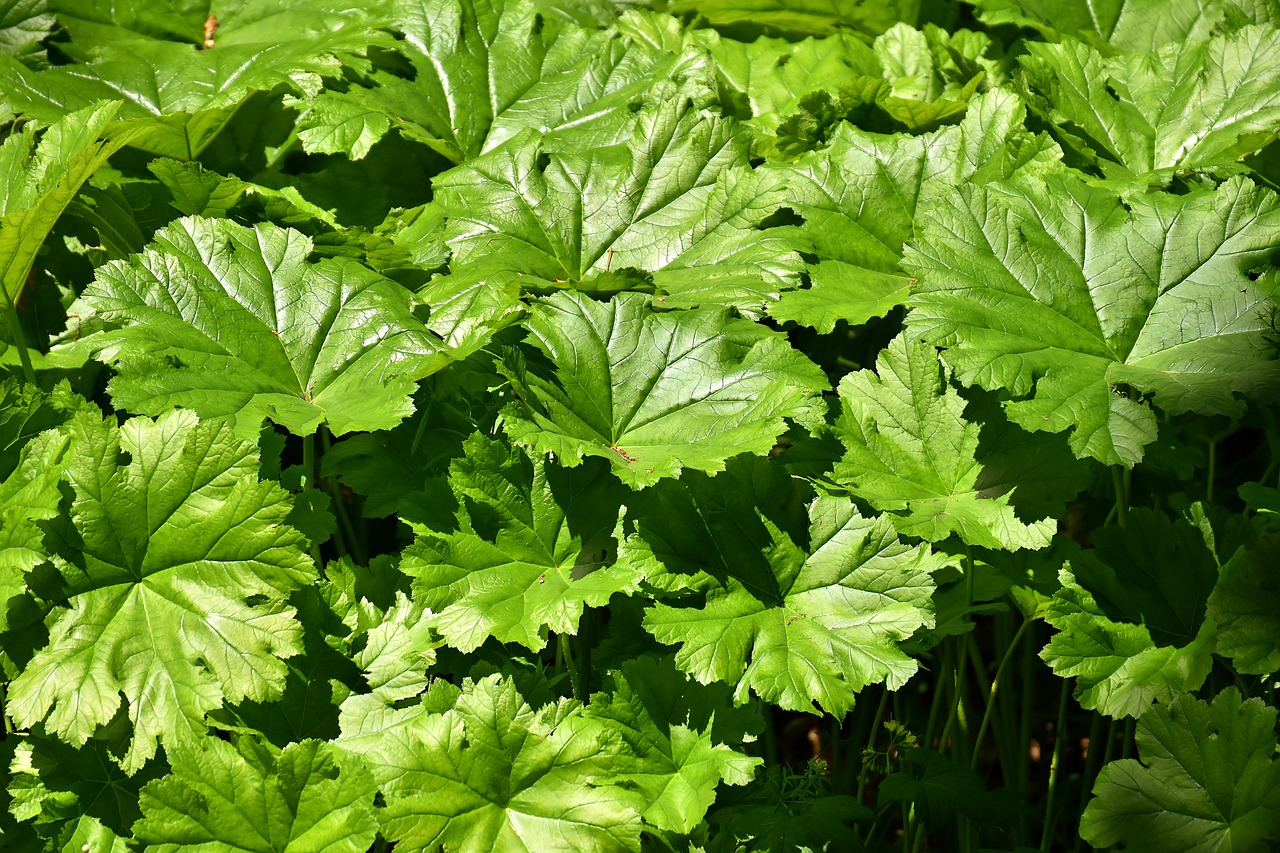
712, 425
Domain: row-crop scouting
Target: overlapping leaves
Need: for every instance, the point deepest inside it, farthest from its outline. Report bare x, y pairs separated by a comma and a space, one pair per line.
532, 548
799, 605
1081, 303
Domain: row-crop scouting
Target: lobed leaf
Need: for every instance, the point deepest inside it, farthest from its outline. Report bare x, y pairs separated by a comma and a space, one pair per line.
655, 392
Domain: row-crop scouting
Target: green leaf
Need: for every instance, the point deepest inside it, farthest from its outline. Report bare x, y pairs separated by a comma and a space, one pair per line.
677, 199
1246, 607
1187, 106
532, 549
176, 564
24, 24
1137, 25
807, 17
236, 323
29, 495
309, 796
482, 70
1119, 670
910, 451
939, 789
38, 182
53, 784
1208, 780
656, 392
860, 244
1066, 294
492, 773
178, 97
676, 730
799, 616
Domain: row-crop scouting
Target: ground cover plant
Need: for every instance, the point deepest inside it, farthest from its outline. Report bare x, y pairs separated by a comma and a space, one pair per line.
561, 425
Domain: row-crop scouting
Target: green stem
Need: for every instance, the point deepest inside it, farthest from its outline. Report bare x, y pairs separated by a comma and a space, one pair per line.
1059, 740
584, 655
356, 548
871, 740
20, 342
1095, 748
575, 679
944, 668
961, 659
1118, 480
1213, 464
991, 699
308, 482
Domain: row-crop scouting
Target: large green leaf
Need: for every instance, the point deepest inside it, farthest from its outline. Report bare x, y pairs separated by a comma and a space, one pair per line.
532, 548
492, 773
677, 200
236, 323
38, 182
309, 796
679, 733
178, 96
655, 392
1208, 781
1138, 25
1245, 604
810, 17
910, 451
481, 70
1078, 301
859, 197
802, 611
1184, 107
1119, 669
24, 24
175, 562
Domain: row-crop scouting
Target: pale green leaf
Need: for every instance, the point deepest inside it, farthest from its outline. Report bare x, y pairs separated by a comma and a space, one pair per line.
236, 323
800, 614
808, 17
1183, 107
491, 773
39, 180
675, 729
911, 452
1069, 297
176, 565
859, 197
655, 392
1207, 781
308, 797
532, 548
1119, 670
176, 96
1137, 25
484, 69
677, 200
